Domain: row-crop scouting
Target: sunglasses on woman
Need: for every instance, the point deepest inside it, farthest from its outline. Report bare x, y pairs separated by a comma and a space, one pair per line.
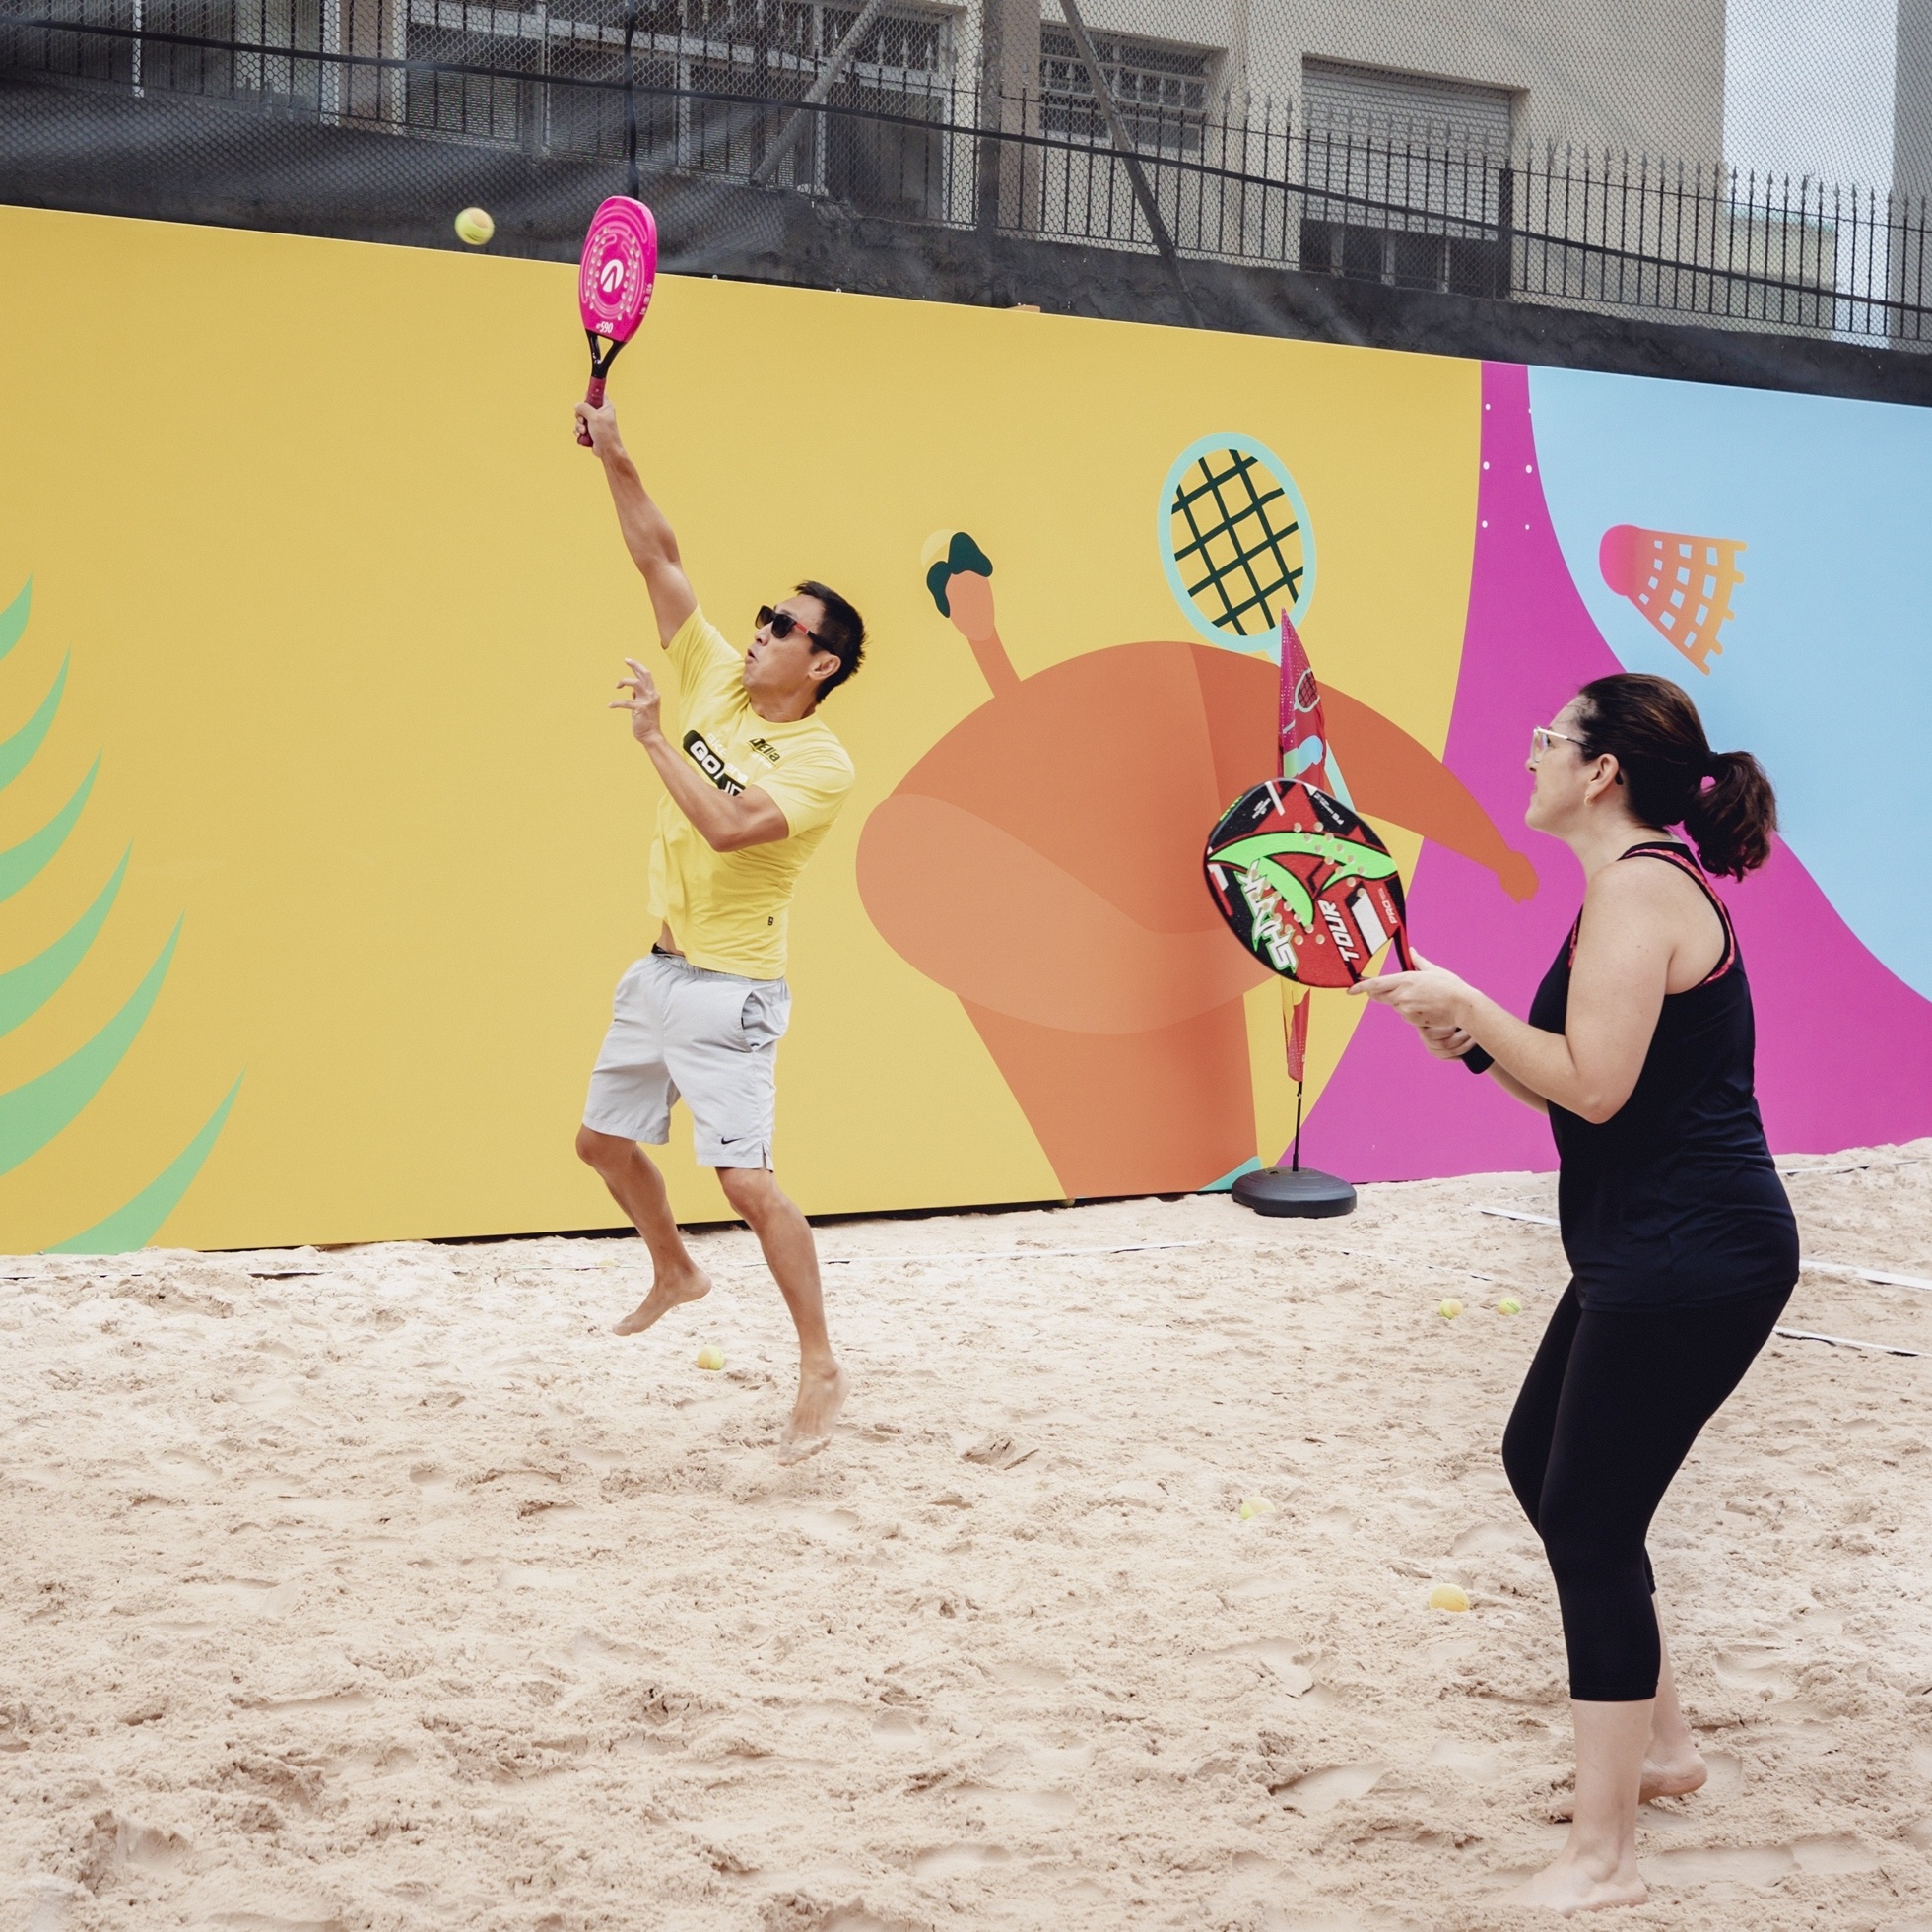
1541, 738
784, 624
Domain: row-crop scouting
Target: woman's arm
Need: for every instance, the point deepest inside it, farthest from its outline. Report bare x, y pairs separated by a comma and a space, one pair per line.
1453, 1043
1616, 992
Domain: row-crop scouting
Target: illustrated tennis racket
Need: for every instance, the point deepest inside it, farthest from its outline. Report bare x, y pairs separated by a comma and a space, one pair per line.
1235, 541
614, 285
1304, 884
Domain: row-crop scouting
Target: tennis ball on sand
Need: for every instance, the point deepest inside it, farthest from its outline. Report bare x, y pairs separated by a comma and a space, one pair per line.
1255, 1505
475, 227
1448, 1596
1448, 1309
709, 1357
1508, 1305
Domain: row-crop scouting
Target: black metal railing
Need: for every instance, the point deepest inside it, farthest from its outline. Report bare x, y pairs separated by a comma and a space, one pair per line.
719, 89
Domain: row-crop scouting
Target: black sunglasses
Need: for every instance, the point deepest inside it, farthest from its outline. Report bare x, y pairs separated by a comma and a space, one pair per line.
784, 624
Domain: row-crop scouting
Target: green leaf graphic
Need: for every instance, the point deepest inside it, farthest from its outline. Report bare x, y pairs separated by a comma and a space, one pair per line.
17, 750
22, 863
13, 620
32, 1114
137, 1223
28, 987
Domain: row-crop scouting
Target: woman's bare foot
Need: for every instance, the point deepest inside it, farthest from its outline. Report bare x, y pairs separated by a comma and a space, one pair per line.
821, 1396
667, 1291
1676, 1780
1568, 1885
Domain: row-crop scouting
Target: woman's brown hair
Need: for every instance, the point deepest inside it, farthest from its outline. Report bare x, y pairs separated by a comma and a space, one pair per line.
1722, 799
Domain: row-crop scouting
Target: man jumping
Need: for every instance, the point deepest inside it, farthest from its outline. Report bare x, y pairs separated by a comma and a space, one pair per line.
749, 793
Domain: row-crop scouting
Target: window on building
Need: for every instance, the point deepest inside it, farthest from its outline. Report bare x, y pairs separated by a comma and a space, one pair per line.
1406, 109
1408, 179
1163, 92
712, 83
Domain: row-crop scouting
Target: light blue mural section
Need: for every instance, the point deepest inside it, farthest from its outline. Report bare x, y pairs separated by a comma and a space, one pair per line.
1827, 665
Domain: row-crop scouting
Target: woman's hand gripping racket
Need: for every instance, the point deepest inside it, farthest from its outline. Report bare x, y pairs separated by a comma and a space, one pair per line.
614, 285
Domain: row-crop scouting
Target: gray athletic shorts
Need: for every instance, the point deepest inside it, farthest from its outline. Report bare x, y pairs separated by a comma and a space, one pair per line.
708, 1038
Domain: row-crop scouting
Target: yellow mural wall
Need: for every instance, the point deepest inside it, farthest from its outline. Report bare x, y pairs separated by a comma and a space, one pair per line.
344, 603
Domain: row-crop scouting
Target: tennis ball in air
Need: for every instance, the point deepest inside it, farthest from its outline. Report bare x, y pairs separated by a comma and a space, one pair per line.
711, 1358
1448, 1308
1448, 1596
1508, 1305
475, 227
1255, 1505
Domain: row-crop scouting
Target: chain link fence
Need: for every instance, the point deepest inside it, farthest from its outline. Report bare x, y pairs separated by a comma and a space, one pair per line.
350, 115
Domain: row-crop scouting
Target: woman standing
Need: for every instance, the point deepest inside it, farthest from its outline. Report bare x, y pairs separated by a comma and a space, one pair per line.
1681, 1241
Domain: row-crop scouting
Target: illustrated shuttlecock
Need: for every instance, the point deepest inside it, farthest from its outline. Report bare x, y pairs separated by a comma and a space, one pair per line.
1682, 584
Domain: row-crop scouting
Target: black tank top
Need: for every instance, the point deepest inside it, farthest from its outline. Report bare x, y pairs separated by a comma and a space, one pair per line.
1673, 1202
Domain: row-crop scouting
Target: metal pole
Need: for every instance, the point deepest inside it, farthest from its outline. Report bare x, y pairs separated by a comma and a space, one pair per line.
815, 96
1130, 156
630, 96
992, 108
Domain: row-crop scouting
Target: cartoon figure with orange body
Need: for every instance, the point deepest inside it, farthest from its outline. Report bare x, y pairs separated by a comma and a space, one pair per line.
1043, 863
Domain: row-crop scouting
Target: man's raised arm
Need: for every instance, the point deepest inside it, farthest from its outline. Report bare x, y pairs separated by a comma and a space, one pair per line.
647, 535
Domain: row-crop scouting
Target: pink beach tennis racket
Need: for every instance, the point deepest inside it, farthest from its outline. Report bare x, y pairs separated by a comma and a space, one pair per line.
614, 285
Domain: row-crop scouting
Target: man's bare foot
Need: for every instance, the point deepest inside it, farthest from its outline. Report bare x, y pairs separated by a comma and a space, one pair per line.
667, 1291
821, 1396
1568, 1886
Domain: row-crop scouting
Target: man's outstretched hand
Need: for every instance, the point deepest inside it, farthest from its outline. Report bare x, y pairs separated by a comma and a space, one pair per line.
643, 704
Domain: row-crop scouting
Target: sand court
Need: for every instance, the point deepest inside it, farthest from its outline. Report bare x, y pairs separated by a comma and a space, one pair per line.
385, 1588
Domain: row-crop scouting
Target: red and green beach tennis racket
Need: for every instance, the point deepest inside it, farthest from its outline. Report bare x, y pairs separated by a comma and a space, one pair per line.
1304, 884
614, 285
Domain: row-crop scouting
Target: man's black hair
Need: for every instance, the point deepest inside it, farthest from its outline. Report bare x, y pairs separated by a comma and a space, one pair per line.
841, 632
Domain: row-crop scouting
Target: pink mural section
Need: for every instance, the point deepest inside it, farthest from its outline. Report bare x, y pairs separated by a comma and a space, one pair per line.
1842, 1043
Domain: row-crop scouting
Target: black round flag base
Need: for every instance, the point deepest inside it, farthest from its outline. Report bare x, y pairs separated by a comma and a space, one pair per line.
1295, 1191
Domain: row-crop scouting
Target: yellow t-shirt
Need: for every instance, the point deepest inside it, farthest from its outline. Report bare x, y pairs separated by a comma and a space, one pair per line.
729, 911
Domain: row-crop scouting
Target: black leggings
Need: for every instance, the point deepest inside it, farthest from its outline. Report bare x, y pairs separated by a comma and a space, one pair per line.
1607, 1412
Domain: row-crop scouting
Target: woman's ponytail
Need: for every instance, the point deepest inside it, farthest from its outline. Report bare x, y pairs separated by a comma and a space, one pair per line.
1722, 799
1732, 818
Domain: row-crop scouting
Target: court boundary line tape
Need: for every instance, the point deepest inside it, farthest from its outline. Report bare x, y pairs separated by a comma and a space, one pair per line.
1843, 1270
1013, 1253
1847, 1271
1843, 1341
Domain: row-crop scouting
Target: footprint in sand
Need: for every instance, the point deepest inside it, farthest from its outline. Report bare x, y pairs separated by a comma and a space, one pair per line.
1726, 1780
1759, 1667
1484, 1538
1839, 1851
1274, 1920
1718, 1864
1473, 1764
1277, 1655
952, 1861
1028, 1677
1323, 1790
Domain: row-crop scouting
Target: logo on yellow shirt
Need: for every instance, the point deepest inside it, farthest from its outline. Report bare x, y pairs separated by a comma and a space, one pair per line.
711, 765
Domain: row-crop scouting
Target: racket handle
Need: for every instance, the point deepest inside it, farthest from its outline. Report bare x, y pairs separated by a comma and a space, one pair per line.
595, 399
